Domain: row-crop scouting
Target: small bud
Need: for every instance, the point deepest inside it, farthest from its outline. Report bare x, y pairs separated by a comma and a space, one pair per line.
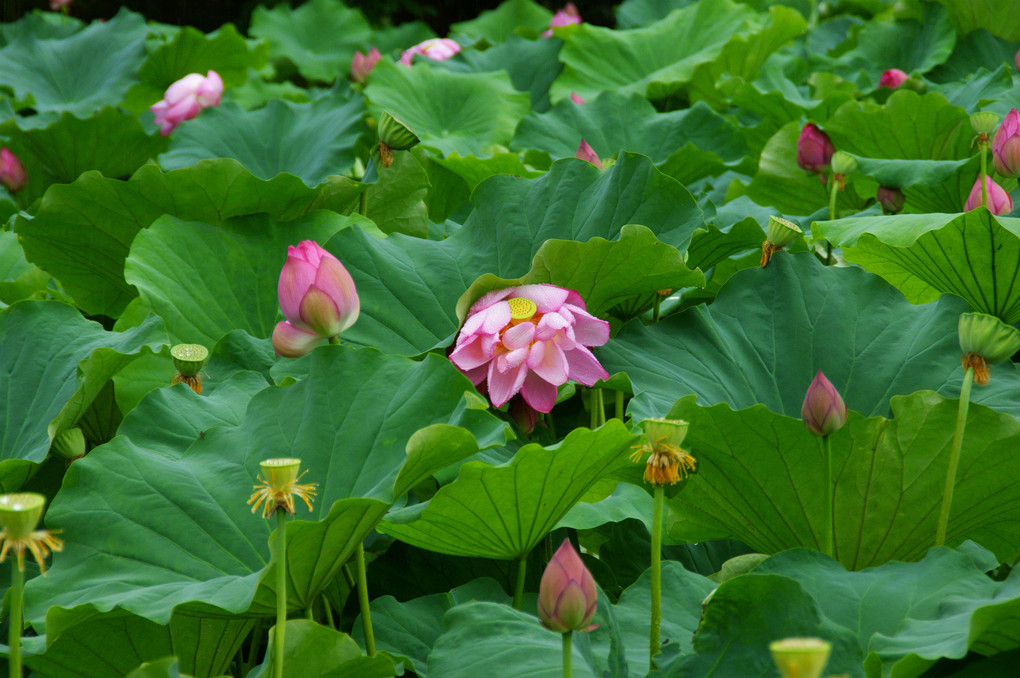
396, 134
1016, 60
823, 410
70, 444
189, 359
1006, 145
984, 122
814, 149
12, 172
891, 199
892, 78
986, 340
586, 152
800, 657
567, 595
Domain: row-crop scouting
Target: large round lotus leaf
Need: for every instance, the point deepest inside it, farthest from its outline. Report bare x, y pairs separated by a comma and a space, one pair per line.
81, 232
476, 113
531, 64
54, 363
313, 141
1000, 17
901, 612
879, 516
771, 329
147, 531
973, 255
92, 68
319, 37
500, 24
313, 650
409, 287
40, 25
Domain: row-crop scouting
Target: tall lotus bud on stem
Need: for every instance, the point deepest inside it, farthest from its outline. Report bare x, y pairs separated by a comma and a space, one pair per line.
12, 172
800, 657
779, 234
70, 444
892, 78
567, 595
823, 410
999, 201
1006, 145
586, 152
394, 135
362, 65
814, 149
189, 359
986, 340
842, 164
891, 199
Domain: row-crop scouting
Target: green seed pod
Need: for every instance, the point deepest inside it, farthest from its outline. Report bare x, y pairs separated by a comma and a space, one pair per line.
782, 232
668, 431
800, 657
987, 336
279, 473
984, 122
20, 513
70, 444
189, 359
843, 163
395, 134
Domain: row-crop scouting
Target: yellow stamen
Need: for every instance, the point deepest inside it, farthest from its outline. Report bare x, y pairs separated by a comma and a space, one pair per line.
980, 367
522, 309
195, 382
280, 496
39, 543
667, 464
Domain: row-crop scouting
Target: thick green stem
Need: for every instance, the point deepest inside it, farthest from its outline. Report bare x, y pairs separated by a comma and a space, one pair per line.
954, 457
568, 653
833, 190
281, 591
598, 416
813, 16
653, 638
366, 613
522, 569
363, 203
830, 528
619, 406
14, 636
984, 173
328, 610
602, 407
655, 307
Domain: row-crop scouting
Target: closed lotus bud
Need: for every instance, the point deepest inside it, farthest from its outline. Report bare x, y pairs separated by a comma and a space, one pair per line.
823, 411
999, 201
1006, 146
800, 657
567, 595
814, 149
892, 78
986, 340
1016, 60
12, 172
586, 152
984, 122
70, 444
779, 233
891, 199
189, 359
362, 65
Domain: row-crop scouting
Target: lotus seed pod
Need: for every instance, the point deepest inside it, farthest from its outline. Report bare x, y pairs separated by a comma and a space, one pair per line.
984, 122
986, 340
70, 444
667, 431
395, 134
782, 232
189, 359
20, 513
800, 657
280, 472
843, 163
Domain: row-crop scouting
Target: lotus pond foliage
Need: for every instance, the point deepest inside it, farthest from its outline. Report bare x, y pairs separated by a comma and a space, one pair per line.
682, 347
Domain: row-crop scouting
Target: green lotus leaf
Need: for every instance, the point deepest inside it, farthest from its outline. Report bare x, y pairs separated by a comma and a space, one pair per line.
1001, 18
80, 73
401, 36
714, 244
979, 50
319, 37
500, 24
522, 501
81, 232
409, 288
973, 255
211, 548
191, 51
531, 64
18, 278
168, 667
39, 25
476, 114
313, 141
312, 650
396, 203
56, 362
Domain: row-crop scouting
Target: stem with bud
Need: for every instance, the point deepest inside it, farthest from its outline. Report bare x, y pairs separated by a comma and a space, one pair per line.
830, 527
522, 569
833, 189
954, 457
983, 145
567, 653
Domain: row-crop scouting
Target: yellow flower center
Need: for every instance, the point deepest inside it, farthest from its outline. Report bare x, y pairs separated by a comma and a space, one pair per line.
522, 309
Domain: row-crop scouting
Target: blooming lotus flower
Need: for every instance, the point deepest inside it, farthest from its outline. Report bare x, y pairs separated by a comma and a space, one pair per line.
12, 172
814, 149
823, 410
892, 78
586, 152
318, 298
437, 49
186, 98
999, 201
529, 339
1006, 146
567, 595
566, 16
362, 64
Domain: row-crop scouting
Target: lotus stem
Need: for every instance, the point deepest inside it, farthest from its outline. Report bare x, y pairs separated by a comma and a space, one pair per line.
281, 591
813, 16
619, 406
568, 653
366, 613
14, 635
830, 490
655, 308
598, 412
363, 203
653, 636
833, 190
328, 611
954, 457
984, 173
522, 569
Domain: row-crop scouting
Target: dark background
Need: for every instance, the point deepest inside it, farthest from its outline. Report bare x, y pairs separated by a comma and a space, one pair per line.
208, 15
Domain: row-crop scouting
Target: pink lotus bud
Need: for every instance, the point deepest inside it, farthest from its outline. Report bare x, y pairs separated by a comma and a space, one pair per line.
12, 172
317, 296
1006, 146
814, 149
891, 199
437, 49
999, 201
893, 78
1016, 60
362, 65
586, 152
576, 98
529, 340
567, 595
565, 17
823, 411
186, 98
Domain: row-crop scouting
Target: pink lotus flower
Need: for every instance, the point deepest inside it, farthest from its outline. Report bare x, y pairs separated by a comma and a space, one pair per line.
823, 410
586, 152
814, 149
12, 172
318, 298
186, 98
437, 49
576, 98
999, 201
565, 17
567, 596
362, 65
529, 339
1006, 146
893, 78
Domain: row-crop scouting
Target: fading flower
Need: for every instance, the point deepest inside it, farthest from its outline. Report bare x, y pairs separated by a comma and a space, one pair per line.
279, 487
667, 463
437, 49
186, 98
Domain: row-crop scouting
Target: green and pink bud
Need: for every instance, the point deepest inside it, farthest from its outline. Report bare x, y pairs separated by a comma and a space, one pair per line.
12, 172
999, 201
567, 595
891, 199
586, 152
823, 411
814, 149
362, 65
892, 78
1006, 146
